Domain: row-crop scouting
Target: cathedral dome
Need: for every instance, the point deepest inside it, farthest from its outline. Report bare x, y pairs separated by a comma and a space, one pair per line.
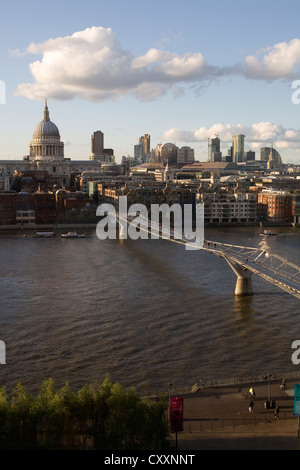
46, 128
46, 144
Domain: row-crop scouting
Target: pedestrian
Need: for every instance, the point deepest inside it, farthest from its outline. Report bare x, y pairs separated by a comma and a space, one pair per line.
251, 407
283, 384
252, 393
276, 415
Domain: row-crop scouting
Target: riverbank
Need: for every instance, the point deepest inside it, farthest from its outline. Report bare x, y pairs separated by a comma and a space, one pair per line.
218, 418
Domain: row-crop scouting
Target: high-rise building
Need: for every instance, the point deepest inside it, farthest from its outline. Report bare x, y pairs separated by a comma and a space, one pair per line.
250, 156
185, 155
98, 152
144, 143
215, 154
265, 153
238, 143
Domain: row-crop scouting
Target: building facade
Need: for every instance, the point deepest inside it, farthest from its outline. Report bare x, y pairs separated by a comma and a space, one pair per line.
238, 145
215, 154
185, 155
275, 206
98, 152
226, 208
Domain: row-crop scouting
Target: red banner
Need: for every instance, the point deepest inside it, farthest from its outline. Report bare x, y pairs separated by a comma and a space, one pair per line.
176, 414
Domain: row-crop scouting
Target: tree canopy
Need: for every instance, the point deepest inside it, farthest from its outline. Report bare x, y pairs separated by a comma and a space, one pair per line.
98, 416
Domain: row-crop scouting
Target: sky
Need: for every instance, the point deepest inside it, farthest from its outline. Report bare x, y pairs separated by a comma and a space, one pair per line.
181, 71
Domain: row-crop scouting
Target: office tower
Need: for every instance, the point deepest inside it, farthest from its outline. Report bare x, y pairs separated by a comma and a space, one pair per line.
98, 152
265, 153
185, 154
144, 143
238, 143
249, 156
215, 155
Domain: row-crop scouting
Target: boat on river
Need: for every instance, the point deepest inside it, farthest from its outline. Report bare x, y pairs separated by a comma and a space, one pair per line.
72, 235
268, 233
44, 234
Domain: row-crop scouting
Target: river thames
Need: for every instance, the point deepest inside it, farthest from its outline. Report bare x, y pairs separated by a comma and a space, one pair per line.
146, 312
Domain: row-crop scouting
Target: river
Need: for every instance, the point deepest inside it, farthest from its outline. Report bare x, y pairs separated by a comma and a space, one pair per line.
146, 312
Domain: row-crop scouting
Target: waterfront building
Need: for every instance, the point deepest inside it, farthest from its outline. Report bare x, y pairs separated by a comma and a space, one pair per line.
227, 208
275, 206
7, 208
296, 208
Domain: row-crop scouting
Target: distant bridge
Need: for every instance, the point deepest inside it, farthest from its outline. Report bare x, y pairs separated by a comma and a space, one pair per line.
246, 261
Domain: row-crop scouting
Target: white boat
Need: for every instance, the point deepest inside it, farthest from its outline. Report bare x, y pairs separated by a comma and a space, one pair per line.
268, 233
72, 235
44, 234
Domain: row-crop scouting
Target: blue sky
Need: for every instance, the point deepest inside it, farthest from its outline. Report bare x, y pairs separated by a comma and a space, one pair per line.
181, 71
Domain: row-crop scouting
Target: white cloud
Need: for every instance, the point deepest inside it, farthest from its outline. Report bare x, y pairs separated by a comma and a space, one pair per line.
91, 64
278, 62
257, 135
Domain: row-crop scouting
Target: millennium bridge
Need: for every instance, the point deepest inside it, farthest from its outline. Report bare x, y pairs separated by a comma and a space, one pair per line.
244, 261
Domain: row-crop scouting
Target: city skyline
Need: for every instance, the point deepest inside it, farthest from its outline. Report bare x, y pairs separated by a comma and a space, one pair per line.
181, 73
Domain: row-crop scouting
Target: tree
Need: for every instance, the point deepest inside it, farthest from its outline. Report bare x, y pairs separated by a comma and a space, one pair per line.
102, 417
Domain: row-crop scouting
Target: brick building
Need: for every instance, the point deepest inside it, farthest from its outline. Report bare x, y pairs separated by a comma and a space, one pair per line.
275, 206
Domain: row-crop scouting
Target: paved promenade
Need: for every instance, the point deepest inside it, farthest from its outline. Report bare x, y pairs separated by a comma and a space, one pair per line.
219, 418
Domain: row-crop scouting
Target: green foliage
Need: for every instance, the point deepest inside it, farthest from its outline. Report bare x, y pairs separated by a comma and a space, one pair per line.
100, 417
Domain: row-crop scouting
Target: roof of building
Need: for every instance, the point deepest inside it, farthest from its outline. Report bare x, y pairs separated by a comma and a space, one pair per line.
46, 128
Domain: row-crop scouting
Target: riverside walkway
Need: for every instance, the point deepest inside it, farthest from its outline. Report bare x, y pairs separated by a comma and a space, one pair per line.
218, 418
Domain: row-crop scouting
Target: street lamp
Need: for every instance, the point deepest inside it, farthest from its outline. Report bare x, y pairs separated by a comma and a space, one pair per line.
268, 377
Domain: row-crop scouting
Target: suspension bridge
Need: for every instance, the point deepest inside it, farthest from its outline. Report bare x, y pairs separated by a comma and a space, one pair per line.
243, 260
246, 261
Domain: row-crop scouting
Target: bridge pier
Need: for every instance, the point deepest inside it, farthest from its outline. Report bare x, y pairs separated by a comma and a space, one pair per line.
244, 280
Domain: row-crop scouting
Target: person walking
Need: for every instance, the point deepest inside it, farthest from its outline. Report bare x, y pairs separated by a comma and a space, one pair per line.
252, 393
276, 415
251, 407
283, 384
